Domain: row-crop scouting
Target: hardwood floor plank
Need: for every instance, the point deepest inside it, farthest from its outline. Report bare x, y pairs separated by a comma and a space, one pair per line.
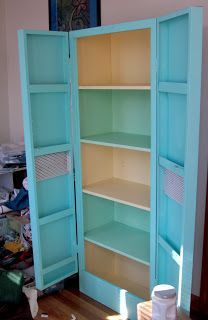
78, 307
56, 310
88, 305
64, 304
83, 297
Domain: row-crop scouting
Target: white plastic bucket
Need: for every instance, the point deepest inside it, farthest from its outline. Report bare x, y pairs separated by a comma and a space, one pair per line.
164, 303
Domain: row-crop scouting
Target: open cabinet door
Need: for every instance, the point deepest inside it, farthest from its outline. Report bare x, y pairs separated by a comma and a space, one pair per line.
44, 66
178, 116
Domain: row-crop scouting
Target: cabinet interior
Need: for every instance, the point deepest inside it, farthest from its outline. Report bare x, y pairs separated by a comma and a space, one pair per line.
117, 174
118, 227
115, 130
117, 246
120, 117
120, 58
117, 269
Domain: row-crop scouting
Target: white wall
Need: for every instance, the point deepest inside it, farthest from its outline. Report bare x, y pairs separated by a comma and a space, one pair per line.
4, 104
115, 11
21, 14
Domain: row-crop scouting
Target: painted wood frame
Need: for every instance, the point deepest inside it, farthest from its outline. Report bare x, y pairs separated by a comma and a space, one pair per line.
199, 304
166, 90
185, 84
48, 138
88, 281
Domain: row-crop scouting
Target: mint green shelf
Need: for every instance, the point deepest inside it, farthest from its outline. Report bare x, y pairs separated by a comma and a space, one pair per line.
116, 118
120, 140
127, 241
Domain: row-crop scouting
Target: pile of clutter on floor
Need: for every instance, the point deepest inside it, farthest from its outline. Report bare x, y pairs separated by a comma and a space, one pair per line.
15, 231
16, 256
12, 163
11, 156
15, 237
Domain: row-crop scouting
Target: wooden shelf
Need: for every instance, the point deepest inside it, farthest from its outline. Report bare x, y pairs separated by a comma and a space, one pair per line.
120, 140
117, 87
127, 241
126, 192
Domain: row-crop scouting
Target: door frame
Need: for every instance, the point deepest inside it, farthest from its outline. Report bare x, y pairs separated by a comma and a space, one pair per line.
199, 305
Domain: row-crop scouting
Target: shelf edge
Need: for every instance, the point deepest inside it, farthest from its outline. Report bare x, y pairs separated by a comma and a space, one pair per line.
115, 200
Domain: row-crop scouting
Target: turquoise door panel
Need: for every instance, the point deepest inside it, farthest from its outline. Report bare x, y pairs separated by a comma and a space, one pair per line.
47, 52
58, 196
173, 48
178, 113
172, 130
44, 70
169, 268
43, 130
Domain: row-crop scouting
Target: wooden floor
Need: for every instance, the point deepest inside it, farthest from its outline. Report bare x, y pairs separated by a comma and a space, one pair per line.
73, 305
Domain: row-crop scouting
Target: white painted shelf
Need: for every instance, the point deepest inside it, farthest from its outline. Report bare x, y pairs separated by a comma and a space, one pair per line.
120, 140
126, 192
117, 87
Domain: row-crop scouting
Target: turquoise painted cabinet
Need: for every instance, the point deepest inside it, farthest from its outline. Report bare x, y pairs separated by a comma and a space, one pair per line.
111, 119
